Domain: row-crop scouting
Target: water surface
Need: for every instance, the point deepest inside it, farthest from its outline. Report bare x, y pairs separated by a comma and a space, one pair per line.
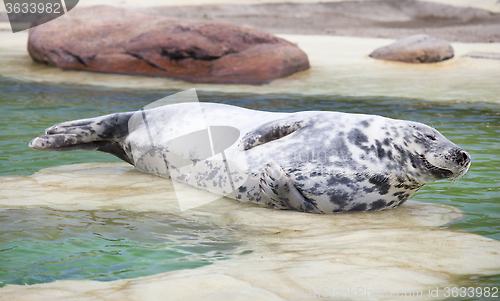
42, 245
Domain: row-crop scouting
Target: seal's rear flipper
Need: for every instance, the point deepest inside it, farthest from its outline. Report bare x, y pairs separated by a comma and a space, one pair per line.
105, 133
280, 192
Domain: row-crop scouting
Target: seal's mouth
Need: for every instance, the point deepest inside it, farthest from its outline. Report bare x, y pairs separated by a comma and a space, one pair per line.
437, 172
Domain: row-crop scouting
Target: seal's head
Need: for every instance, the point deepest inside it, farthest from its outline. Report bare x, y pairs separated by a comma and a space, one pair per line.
432, 156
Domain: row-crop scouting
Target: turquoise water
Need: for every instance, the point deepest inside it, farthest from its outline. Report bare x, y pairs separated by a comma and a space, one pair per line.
28, 108
42, 245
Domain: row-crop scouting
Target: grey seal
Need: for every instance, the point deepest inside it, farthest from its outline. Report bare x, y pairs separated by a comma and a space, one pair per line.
313, 161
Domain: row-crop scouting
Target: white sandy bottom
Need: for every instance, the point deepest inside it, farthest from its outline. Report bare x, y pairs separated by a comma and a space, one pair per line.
404, 249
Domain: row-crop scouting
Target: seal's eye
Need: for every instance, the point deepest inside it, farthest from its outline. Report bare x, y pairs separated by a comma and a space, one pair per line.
430, 137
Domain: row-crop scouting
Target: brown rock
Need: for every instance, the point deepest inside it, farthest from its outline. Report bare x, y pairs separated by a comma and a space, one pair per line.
419, 48
114, 40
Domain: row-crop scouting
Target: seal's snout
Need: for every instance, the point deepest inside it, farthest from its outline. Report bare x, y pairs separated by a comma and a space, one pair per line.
35, 143
462, 157
41, 143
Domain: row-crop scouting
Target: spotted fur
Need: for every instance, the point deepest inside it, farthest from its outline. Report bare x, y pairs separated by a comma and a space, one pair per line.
320, 162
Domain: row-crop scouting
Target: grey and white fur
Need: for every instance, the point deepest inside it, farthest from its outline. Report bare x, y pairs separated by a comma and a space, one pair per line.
321, 162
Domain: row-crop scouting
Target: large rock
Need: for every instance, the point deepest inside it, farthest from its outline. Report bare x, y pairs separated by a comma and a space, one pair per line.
113, 40
419, 48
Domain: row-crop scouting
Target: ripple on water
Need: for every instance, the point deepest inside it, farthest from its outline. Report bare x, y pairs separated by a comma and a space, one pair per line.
41, 245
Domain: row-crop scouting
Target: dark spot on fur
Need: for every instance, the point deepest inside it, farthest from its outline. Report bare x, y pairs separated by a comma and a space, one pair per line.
403, 197
381, 183
359, 207
402, 153
378, 204
380, 150
335, 180
339, 197
357, 137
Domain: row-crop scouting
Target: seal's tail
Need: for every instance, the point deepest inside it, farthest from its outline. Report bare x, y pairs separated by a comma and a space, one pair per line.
104, 133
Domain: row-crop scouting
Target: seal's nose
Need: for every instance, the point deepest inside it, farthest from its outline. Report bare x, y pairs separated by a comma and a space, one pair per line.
463, 158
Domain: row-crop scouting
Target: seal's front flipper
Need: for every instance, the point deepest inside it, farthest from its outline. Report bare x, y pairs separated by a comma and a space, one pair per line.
270, 131
279, 191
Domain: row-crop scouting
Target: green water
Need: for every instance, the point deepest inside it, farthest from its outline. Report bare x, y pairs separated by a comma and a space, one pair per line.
28, 108
41, 245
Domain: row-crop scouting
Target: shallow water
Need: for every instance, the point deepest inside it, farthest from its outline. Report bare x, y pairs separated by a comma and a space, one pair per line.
28, 108
42, 245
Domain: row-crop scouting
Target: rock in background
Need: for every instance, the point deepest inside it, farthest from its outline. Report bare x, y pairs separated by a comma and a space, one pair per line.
113, 40
418, 48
